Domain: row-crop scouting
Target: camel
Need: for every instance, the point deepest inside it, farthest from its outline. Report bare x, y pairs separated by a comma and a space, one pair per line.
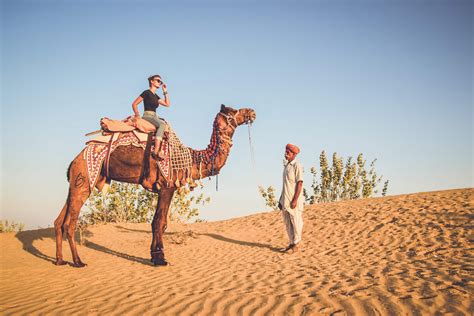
125, 165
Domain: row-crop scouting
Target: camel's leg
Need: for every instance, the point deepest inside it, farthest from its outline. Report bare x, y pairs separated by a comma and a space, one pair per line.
79, 191
58, 227
158, 226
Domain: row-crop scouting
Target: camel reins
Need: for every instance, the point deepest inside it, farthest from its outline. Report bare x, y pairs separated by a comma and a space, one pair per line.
232, 123
247, 120
232, 119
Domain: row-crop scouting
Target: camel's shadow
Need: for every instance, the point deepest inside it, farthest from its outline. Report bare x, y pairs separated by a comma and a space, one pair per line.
27, 239
122, 255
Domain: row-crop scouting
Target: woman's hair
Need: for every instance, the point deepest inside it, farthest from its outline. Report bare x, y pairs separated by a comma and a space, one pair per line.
151, 78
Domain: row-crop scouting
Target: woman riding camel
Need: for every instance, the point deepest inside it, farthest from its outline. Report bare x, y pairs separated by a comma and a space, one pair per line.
151, 101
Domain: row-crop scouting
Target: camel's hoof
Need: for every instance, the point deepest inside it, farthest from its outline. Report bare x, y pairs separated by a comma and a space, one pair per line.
159, 262
60, 262
78, 264
158, 257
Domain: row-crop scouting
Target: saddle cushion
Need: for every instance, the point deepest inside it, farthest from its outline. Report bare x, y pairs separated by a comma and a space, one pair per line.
105, 138
127, 125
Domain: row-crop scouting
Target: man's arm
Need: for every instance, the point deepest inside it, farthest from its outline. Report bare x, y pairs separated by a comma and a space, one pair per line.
299, 186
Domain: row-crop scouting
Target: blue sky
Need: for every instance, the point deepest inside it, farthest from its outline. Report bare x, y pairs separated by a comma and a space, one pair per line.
390, 79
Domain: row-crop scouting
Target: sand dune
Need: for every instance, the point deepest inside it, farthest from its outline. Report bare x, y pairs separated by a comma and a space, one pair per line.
407, 254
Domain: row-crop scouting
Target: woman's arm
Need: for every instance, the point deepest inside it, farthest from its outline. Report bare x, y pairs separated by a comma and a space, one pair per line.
135, 105
166, 101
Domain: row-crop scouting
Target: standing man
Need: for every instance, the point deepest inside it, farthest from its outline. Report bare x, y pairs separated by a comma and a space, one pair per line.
291, 199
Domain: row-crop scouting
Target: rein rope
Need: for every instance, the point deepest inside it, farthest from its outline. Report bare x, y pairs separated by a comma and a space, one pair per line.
252, 153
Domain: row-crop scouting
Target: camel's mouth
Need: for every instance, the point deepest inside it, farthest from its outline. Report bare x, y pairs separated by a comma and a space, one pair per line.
249, 116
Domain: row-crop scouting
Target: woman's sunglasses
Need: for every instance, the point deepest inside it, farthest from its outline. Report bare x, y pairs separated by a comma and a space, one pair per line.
158, 80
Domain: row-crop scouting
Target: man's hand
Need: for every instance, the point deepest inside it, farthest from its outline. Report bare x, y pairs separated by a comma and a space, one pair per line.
293, 204
298, 189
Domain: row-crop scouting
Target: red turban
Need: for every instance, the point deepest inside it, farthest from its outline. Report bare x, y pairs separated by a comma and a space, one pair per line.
293, 148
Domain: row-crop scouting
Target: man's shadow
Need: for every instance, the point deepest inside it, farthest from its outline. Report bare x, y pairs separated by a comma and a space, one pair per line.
240, 242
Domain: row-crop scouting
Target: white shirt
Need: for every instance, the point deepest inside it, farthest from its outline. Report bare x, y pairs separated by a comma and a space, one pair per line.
292, 173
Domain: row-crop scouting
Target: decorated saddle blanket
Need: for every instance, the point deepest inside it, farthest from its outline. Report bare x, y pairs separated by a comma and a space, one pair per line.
178, 157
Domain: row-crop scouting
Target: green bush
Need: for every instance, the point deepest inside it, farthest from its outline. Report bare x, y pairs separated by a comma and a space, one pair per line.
125, 202
268, 195
341, 181
183, 208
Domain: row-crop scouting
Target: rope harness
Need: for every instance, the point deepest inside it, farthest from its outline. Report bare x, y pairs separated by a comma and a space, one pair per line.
218, 137
180, 156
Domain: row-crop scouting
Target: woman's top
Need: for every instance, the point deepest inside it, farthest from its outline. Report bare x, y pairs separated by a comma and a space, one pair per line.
150, 100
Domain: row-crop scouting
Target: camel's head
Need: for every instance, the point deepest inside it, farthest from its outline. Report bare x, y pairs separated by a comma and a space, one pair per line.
237, 117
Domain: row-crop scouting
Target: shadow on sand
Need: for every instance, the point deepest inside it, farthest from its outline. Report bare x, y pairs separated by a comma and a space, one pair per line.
215, 236
240, 242
125, 256
27, 238
130, 230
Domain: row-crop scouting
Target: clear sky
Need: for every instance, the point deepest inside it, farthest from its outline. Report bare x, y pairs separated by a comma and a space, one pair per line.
390, 79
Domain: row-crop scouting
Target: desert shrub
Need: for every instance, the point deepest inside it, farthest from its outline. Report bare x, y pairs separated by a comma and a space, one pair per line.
8, 227
125, 202
344, 181
268, 195
184, 206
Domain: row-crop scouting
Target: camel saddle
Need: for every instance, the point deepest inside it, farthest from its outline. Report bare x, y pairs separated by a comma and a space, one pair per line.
137, 132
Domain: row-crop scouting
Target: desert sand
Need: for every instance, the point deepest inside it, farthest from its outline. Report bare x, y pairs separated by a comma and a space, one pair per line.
397, 255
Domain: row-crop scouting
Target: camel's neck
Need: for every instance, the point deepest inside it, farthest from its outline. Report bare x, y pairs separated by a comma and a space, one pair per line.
208, 162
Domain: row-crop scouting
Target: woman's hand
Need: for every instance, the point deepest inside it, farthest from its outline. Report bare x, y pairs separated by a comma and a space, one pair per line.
164, 88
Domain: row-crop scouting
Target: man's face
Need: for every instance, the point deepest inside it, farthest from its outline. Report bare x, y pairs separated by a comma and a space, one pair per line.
289, 155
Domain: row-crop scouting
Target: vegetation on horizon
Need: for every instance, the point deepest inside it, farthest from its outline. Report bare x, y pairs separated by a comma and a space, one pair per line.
268, 195
341, 181
9, 227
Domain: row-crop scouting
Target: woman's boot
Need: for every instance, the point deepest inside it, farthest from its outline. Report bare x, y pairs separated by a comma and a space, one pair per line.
158, 153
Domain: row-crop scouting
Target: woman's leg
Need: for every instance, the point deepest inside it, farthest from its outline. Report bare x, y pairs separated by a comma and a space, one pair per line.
159, 124
159, 152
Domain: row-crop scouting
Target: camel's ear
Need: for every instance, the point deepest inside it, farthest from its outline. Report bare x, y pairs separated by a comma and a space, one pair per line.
223, 108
